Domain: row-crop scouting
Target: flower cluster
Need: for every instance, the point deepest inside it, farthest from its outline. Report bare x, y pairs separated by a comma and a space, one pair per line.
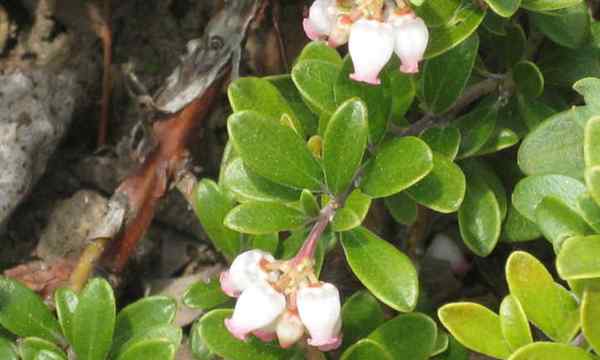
374, 30
283, 300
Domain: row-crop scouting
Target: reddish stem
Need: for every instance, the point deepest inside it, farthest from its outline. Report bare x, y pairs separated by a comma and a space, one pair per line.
310, 245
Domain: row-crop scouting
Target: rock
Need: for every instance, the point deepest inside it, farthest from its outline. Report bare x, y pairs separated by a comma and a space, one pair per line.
37, 108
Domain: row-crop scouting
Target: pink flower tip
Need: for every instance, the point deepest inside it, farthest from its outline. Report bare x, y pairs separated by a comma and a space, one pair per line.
310, 30
227, 286
327, 344
236, 331
265, 336
369, 79
411, 68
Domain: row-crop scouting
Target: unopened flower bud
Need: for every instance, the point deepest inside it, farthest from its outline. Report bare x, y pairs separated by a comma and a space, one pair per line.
257, 307
410, 41
444, 248
371, 46
319, 309
341, 32
245, 271
321, 19
289, 329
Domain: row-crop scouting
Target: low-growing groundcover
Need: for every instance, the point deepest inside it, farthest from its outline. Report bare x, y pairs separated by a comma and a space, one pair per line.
495, 134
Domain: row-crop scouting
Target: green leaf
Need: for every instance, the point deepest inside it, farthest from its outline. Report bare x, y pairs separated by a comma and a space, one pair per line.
264, 218
443, 189
401, 89
589, 88
505, 50
246, 186
530, 192
219, 341
448, 35
445, 77
251, 93
365, 349
94, 321
563, 66
383, 269
8, 350
32, 348
315, 80
23, 313
480, 217
533, 111
143, 315
211, 206
477, 127
292, 96
569, 27
479, 168
528, 79
402, 208
198, 346
66, 301
344, 144
591, 141
205, 295
361, 314
265, 242
153, 349
517, 228
550, 351
514, 324
476, 327
171, 333
445, 141
578, 258
547, 304
353, 213
399, 164
495, 24
505, 8
558, 222
548, 5
375, 100
437, 12
590, 211
309, 203
455, 351
408, 336
274, 151
319, 50
590, 313
441, 343
592, 180
502, 138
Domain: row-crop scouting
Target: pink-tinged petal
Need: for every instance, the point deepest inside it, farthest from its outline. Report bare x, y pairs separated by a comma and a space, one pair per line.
410, 42
289, 329
444, 248
227, 286
410, 68
246, 271
265, 336
369, 78
327, 345
235, 330
310, 30
320, 311
371, 45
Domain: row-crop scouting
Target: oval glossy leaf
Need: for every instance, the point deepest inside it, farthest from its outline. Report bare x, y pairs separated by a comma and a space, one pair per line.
251, 93
443, 189
319, 50
591, 142
514, 324
502, 138
548, 5
383, 269
361, 314
437, 12
94, 321
219, 341
246, 186
590, 211
455, 351
143, 315
547, 305
292, 96
8, 350
366, 349
517, 228
530, 192
315, 80
533, 111
171, 333
441, 343
205, 296
398, 164
375, 98
504, 8
31, 349
353, 213
402, 208
528, 78
445, 141
408, 336
344, 144
476, 327
477, 127
445, 76
211, 206
550, 351
569, 27
66, 301
558, 222
590, 313
153, 349
264, 218
592, 180
589, 88
197, 345
578, 258
265, 242
23, 313
274, 151
479, 168
480, 217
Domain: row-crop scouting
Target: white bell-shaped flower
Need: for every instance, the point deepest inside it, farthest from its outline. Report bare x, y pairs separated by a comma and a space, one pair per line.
371, 45
444, 248
320, 311
410, 41
258, 307
321, 19
245, 271
289, 329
